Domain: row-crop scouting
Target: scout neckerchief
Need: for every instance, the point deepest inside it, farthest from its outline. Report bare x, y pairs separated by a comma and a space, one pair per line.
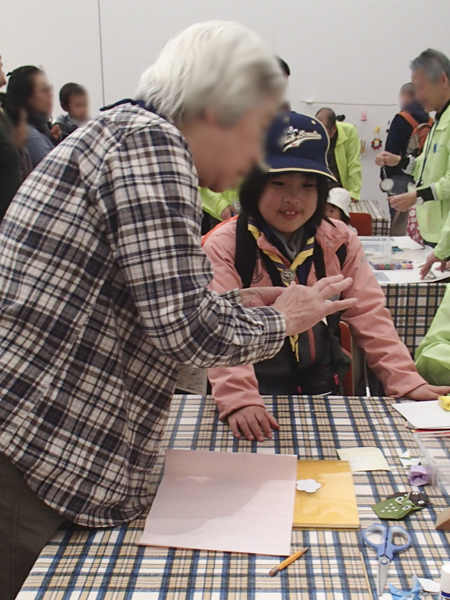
300, 266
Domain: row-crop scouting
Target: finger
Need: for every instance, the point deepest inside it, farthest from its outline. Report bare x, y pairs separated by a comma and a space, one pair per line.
255, 428
265, 426
335, 289
243, 425
425, 269
232, 423
273, 422
441, 390
443, 265
326, 281
340, 305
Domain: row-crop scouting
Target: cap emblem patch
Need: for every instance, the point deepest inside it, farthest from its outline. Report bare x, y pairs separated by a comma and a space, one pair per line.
295, 138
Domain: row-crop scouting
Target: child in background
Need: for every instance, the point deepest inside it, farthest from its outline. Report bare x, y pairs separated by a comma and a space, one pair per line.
338, 206
74, 100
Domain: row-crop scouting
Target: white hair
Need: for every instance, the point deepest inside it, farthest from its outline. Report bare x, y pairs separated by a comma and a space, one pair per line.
219, 65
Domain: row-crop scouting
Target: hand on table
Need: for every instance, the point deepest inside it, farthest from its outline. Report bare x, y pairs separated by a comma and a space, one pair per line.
428, 392
388, 159
403, 202
303, 307
254, 422
429, 263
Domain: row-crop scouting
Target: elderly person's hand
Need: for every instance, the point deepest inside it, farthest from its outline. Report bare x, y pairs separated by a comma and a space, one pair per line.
226, 214
403, 202
428, 392
429, 263
387, 159
303, 307
260, 296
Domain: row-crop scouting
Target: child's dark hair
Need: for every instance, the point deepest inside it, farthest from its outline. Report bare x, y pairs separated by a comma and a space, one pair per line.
253, 186
21, 84
11, 108
68, 90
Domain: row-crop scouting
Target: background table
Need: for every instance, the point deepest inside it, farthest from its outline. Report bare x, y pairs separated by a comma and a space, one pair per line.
380, 222
413, 307
85, 564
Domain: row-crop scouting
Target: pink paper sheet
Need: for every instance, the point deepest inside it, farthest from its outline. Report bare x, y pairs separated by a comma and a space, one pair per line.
229, 502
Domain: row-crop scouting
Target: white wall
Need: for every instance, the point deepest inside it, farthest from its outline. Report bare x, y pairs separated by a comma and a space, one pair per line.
340, 53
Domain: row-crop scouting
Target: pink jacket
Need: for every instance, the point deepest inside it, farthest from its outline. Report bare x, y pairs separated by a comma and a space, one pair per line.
369, 321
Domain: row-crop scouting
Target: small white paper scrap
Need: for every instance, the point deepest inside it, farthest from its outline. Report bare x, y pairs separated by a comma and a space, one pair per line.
364, 459
407, 461
430, 586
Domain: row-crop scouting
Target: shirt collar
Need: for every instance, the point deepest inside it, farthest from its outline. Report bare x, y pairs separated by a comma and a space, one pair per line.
439, 114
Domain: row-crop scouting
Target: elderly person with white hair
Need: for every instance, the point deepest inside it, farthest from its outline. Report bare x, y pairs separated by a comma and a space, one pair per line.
104, 288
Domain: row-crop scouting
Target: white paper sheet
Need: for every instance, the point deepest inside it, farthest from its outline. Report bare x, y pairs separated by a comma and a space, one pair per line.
224, 501
425, 415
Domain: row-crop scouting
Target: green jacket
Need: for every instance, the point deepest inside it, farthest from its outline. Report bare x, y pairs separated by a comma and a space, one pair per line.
433, 354
214, 203
348, 158
433, 216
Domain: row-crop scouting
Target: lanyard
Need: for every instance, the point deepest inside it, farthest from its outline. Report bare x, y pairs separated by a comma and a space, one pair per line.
287, 274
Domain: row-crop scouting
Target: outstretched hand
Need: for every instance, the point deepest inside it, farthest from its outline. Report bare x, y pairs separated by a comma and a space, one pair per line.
428, 392
253, 422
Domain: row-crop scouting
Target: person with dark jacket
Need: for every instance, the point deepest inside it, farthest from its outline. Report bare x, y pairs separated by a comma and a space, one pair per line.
393, 159
10, 177
31, 88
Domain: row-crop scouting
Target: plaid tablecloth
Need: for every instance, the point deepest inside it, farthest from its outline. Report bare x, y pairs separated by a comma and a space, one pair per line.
380, 223
413, 307
107, 564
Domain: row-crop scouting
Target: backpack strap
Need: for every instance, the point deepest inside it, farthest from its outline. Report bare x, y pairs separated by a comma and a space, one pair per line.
409, 118
246, 252
319, 262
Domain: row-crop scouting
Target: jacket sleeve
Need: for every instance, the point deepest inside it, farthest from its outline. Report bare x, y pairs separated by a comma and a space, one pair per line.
372, 326
148, 197
433, 354
232, 387
442, 191
214, 203
354, 163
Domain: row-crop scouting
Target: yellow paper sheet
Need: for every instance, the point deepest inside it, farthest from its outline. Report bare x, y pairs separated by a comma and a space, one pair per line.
333, 506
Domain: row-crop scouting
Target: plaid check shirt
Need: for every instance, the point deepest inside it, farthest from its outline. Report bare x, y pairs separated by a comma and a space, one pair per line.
103, 290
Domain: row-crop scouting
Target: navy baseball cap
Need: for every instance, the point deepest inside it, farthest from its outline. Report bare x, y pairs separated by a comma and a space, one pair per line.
295, 142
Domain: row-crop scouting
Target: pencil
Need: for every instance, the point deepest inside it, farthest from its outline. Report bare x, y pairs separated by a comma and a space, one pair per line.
366, 575
287, 562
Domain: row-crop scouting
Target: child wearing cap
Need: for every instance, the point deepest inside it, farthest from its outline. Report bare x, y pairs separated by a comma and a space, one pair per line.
338, 206
280, 237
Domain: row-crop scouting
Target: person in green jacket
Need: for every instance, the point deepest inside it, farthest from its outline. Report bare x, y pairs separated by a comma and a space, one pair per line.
433, 354
217, 206
344, 153
431, 76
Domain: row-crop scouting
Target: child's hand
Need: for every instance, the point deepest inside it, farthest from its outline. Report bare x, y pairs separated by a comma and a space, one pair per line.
254, 422
55, 132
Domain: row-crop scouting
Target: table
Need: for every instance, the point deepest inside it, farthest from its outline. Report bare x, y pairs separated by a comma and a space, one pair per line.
380, 223
413, 306
84, 564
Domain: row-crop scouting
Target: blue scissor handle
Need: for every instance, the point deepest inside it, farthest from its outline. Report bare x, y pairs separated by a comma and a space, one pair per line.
380, 547
391, 547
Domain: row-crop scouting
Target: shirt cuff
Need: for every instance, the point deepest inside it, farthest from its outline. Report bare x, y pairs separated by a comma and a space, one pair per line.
427, 194
233, 296
274, 328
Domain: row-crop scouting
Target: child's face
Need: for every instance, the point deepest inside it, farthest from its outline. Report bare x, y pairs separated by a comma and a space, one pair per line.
333, 212
288, 201
79, 107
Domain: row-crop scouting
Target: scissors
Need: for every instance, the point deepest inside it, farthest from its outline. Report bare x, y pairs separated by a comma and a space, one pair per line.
386, 548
